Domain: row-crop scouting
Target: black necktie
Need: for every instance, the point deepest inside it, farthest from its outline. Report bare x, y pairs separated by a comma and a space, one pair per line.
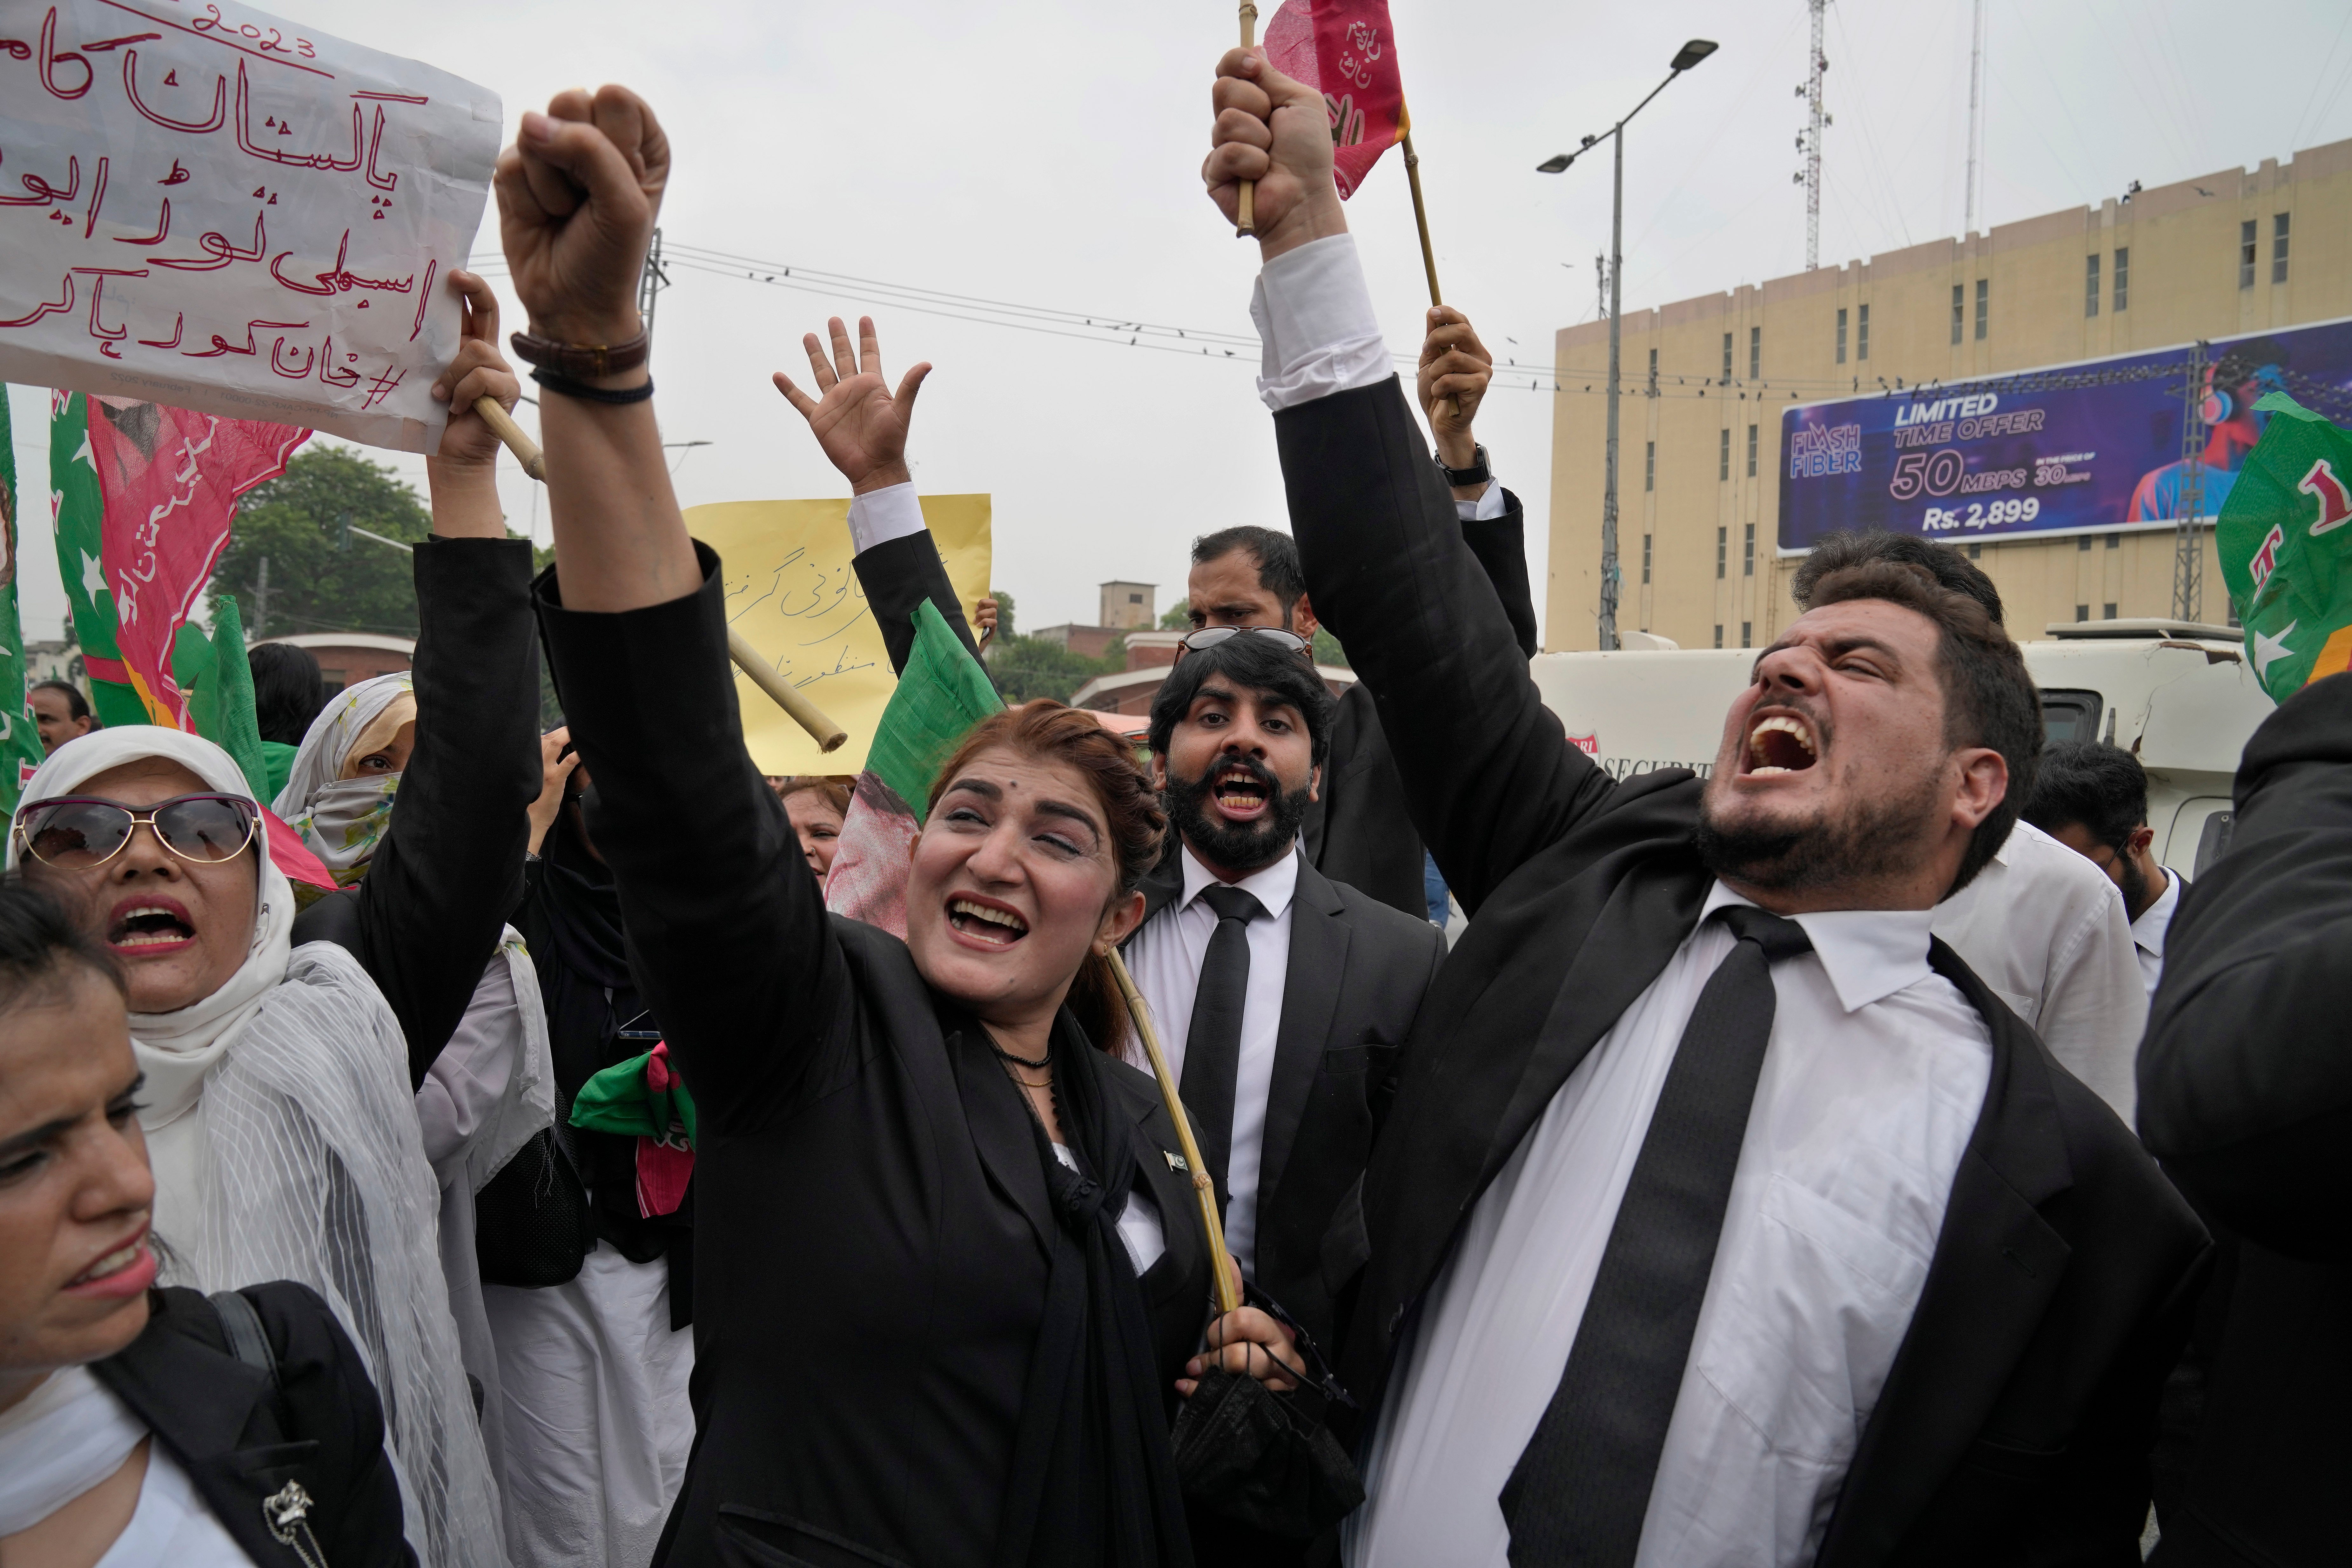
1581, 1488
1213, 1045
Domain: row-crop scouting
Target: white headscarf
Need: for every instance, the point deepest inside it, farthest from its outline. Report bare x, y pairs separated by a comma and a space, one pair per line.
176, 1049
308, 1163
341, 820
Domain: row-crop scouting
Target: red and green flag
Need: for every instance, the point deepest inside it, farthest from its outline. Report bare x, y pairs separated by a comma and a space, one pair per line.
2285, 536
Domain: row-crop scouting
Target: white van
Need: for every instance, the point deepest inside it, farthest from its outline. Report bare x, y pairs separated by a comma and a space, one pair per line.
2178, 694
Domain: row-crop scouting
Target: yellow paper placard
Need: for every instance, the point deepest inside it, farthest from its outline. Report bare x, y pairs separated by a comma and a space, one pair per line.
792, 593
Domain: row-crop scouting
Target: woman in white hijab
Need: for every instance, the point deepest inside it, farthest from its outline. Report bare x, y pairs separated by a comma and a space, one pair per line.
492, 1087
277, 1113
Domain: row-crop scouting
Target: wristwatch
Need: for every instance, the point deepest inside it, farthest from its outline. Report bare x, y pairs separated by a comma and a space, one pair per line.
1478, 473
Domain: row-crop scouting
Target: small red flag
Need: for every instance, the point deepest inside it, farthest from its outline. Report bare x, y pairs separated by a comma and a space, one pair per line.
1343, 48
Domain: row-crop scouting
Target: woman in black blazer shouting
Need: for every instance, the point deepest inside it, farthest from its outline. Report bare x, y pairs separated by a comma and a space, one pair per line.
925, 1200
139, 1426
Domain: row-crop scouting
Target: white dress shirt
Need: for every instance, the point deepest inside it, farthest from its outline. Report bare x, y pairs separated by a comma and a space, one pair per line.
1871, 1086
2046, 928
2147, 932
1165, 957
878, 517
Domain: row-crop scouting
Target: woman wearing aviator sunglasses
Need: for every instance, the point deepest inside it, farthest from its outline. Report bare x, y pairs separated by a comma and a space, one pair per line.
276, 1108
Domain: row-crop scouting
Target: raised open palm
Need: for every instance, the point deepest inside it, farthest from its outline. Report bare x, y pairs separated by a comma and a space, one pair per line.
856, 417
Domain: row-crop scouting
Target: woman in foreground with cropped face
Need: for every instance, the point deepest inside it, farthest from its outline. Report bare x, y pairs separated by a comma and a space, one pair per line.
124, 1428
276, 1108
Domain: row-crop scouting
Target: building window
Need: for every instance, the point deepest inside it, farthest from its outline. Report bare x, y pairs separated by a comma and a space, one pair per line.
1974, 551
1654, 371
2278, 248
2246, 244
2083, 541
1645, 558
1755, 350
2107, 612
2082, 612
1748, 565
1649, 465
2091, 284
1984, 306
1722, 552
1727, 359
1723, 457
1746, 638
1751, 451
2114, 542
1135, 598
1718, 634
2123, 276
1861, 344
1840, 341
1958, 296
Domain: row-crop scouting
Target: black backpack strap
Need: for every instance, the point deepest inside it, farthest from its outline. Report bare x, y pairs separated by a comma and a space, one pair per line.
247, 1341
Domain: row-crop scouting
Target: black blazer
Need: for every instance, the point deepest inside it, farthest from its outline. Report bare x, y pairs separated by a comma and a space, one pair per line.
1358, 972
324, 1431
872, 1219
1360, 831
2014, 1425
2245, 1094
424, 921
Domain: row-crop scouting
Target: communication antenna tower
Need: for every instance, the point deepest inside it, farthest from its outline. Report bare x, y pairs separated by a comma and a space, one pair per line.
1976, 112
2188, 547
651, 281
1809, 141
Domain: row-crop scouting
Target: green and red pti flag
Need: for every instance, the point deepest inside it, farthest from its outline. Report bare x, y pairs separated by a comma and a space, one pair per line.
143, 498
2285, 540
1343, 47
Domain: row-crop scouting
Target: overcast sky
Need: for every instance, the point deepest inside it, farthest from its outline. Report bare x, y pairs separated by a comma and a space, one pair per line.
1047, 154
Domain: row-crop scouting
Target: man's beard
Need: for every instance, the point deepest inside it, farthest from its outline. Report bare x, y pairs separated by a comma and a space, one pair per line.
1236, 846
1873, 839
2134, 882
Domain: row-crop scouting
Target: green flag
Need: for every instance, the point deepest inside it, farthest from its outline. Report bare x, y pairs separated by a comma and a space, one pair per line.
2286, 553
79, 508
20, 738
213, 671
940, 695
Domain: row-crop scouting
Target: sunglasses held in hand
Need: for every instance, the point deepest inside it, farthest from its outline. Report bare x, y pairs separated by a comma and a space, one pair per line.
74, 833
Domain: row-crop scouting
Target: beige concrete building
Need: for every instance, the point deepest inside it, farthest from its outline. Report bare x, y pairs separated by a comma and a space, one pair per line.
1705, 381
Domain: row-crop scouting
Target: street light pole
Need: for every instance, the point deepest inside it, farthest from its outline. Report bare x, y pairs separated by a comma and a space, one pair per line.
1690, 55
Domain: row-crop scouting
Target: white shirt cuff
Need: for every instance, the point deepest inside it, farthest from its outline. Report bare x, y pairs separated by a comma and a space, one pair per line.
1315, 317
878, 517
1487, 508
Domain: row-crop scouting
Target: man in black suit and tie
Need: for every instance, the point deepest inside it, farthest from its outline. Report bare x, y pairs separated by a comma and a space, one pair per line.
1357, 830
1281, 996
1722, 1215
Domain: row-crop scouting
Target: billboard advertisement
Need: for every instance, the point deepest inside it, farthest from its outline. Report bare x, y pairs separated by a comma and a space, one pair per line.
2090, 447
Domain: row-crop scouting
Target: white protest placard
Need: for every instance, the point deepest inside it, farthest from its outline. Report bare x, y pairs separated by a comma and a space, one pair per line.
205, 206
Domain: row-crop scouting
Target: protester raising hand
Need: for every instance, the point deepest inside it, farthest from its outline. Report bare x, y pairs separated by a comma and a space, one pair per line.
1277, 132
478, 370
578, 192
1455, 369
860, 422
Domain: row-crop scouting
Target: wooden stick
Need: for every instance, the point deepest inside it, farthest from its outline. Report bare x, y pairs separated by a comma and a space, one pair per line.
502, 426
1220, 1260
828, 735
1428, 256
1246, 215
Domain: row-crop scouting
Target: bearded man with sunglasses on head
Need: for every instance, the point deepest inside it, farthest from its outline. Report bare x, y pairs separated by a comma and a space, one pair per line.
1357, 829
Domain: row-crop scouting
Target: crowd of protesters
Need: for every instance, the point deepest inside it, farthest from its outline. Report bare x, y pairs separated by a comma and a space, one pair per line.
1870, 1152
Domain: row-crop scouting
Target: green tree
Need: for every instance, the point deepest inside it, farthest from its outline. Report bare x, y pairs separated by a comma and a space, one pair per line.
1004, 626
1027, 668
1178, 617
322, 579
1328, 650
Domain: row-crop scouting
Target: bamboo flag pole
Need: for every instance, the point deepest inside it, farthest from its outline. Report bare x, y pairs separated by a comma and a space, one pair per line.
1421, 221
502, 426
1220, 1261
828, 735
1246, 214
